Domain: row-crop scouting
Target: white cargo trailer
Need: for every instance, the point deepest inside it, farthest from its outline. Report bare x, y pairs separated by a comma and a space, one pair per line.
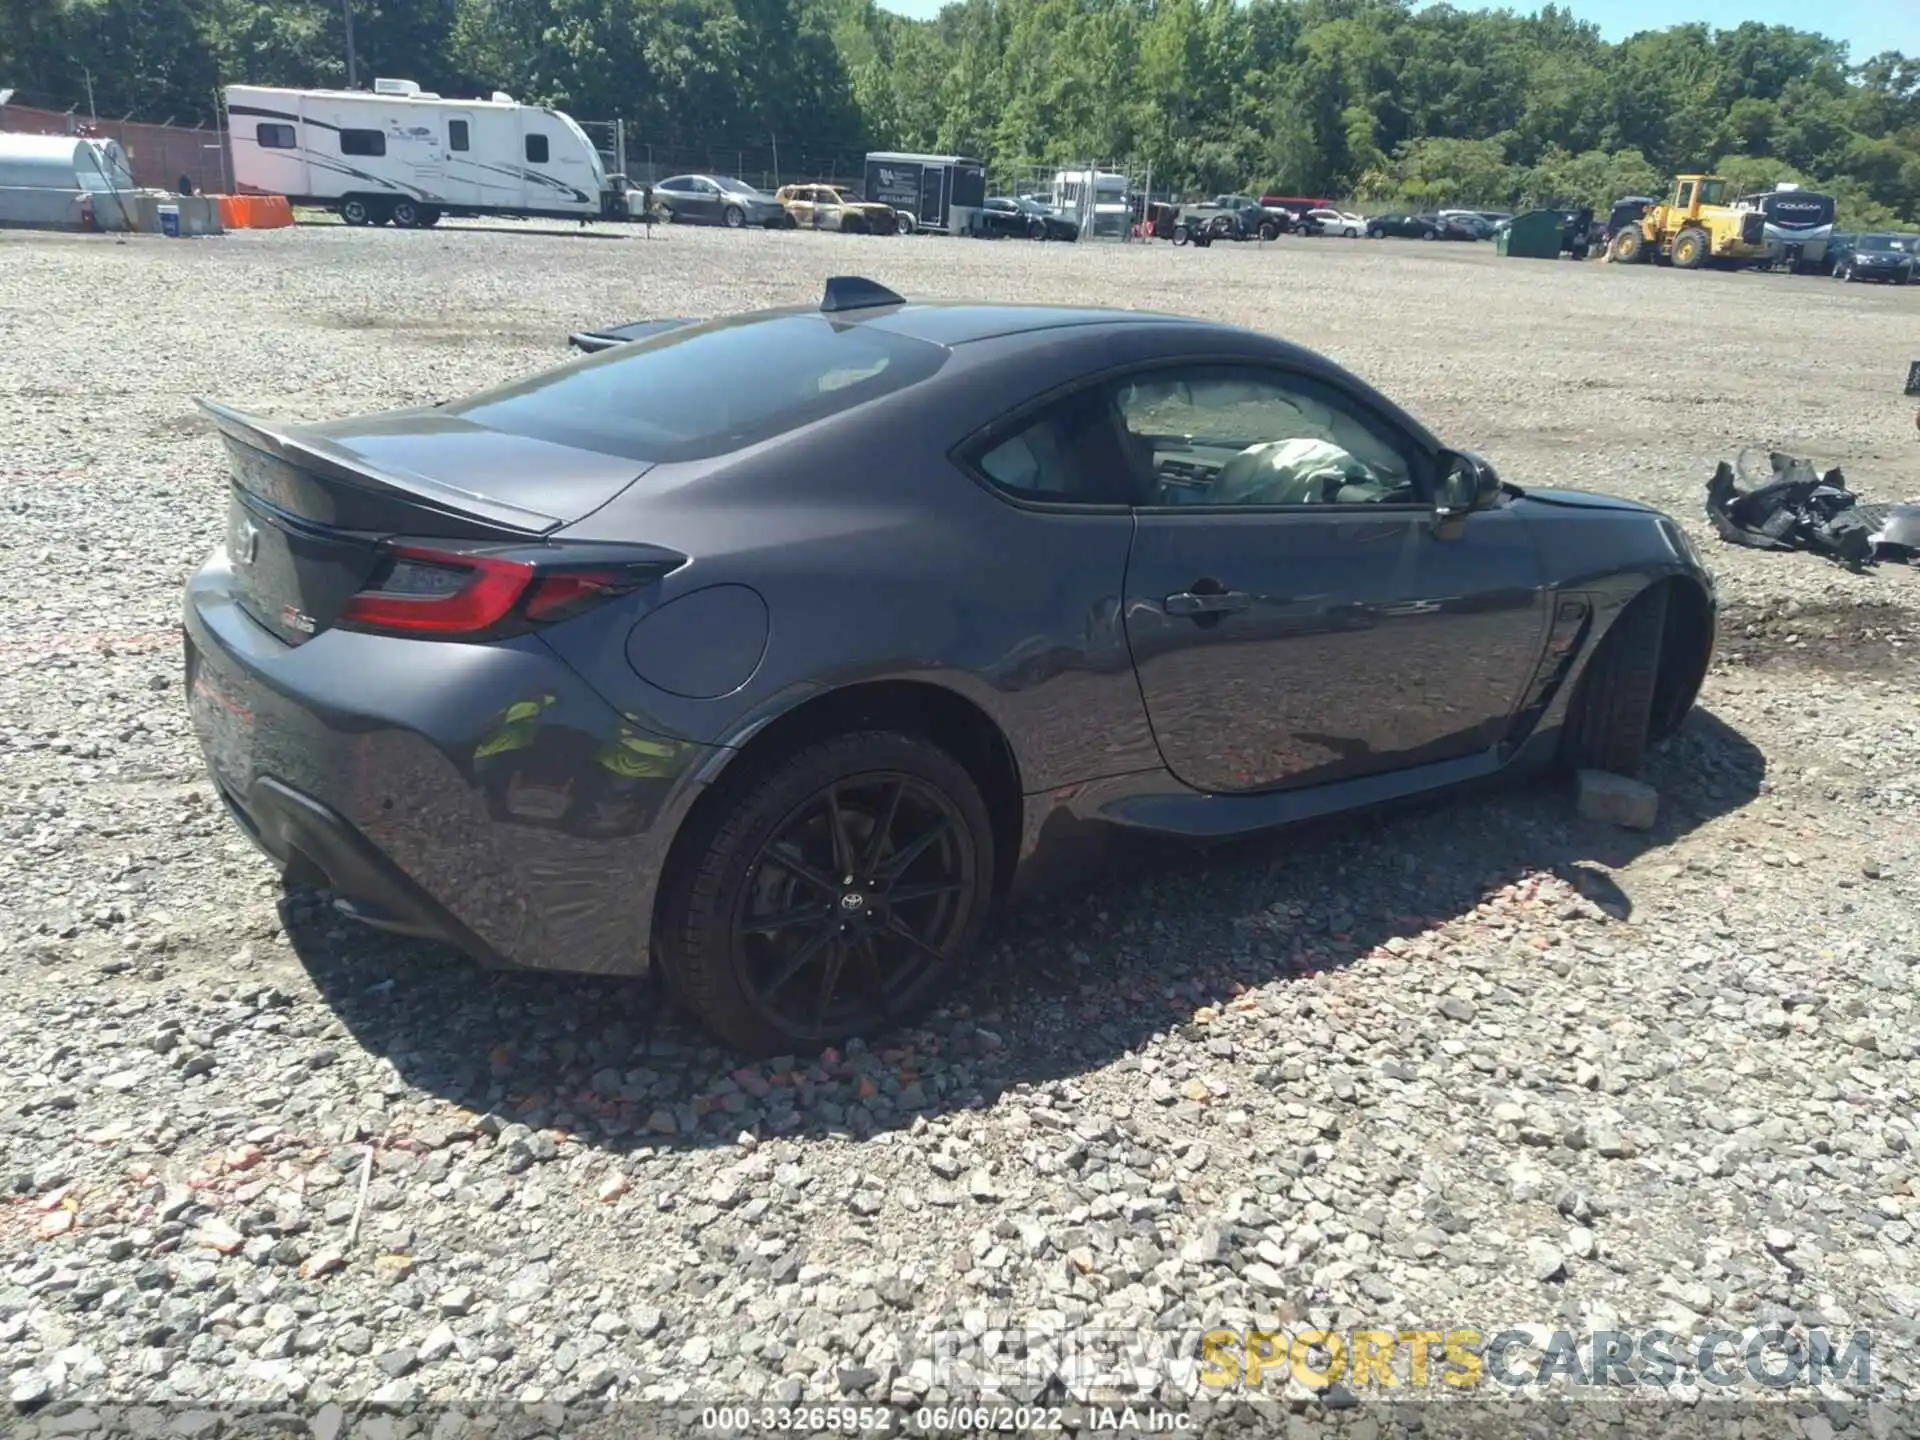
401, 154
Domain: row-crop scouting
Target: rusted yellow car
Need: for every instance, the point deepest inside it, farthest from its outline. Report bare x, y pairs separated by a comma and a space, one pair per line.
828, 207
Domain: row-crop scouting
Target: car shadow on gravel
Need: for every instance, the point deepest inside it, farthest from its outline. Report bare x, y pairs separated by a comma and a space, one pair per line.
1139, 942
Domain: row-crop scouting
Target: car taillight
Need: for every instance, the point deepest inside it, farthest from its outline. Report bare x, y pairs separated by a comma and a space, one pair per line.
433, 592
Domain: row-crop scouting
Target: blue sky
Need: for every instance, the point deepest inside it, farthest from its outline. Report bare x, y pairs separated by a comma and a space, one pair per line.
1868, 26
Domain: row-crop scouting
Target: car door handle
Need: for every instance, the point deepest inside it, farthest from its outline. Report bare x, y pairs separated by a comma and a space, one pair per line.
1219, 602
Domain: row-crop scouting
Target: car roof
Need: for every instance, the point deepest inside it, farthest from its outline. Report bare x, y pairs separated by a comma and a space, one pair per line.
950, 323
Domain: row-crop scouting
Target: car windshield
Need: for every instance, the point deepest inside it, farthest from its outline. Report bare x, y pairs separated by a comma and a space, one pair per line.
660, 400
1878, 242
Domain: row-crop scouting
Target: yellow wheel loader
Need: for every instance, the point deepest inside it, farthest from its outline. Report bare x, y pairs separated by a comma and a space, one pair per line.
1696, 224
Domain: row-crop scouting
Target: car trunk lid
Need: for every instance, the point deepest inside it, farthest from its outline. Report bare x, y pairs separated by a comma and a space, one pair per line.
311, 504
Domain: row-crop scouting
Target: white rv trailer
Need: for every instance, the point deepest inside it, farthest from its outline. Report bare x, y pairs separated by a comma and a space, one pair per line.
1099, 199
401, 154
1799, 225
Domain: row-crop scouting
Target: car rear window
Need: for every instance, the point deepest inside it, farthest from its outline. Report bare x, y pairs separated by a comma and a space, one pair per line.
696, 393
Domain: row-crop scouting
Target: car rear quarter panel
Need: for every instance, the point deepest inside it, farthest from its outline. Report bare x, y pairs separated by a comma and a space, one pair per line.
414, 744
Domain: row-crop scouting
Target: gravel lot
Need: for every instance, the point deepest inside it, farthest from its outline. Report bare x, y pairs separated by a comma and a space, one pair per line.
1480, 1065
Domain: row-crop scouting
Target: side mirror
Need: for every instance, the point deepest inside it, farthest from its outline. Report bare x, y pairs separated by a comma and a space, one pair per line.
1467, 484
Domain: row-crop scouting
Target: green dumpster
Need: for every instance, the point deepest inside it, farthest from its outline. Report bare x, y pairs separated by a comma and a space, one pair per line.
1536, 235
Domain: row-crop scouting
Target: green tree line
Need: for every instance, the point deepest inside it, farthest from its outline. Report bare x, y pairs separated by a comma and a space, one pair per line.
1373, 99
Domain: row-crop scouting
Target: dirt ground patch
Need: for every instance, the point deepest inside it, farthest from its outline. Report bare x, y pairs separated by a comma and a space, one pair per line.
1835, 636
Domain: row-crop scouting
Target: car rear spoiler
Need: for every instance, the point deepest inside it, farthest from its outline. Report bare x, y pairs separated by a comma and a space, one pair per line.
331, 464
593, 341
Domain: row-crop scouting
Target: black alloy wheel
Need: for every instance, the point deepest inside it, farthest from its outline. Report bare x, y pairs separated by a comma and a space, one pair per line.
829, 893
853, 903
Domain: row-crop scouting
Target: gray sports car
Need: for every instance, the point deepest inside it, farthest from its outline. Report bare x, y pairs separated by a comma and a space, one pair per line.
773, 649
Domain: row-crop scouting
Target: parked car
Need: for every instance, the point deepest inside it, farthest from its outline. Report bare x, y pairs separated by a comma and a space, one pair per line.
719, 200
1240, 217
1405, 227
1217, 222
643, 685
1337, 222
829, 207
1023, 218
1475, 225
1874, 257
1296, 205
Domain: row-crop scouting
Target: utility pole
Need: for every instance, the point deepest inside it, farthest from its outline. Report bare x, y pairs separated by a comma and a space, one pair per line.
353, 68
220, 134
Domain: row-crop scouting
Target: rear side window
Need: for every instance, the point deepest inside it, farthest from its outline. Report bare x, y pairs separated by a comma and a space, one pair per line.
362, 142
692, 394
1068, 454
537, 149
456, 134
274, 137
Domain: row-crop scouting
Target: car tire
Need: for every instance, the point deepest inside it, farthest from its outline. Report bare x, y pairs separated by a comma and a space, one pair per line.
1037, 229
406, 215
1375, 233
1269, 231
742, 974
1610, 721
733, 217
1429, 234
429, 217
1181, 234
355, 211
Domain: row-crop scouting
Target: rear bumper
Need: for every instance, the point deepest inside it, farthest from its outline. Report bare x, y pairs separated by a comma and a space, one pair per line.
481, 795
314, 846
